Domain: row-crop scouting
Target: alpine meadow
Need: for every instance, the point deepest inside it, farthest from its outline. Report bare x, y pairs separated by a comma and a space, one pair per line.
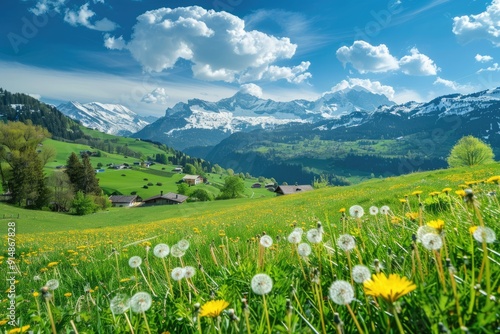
249, 167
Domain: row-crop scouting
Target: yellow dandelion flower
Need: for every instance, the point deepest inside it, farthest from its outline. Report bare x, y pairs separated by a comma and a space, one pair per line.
222, 233
213, 308
434, 193
494, 179
68, 294
402, 200
395, 220
52, 264
417, 192
412, 215
19, 330
342, 210
446, 190
472, 229
43, 270
460, 193
123, 280
36, 294
438, 224
389, 288
3, 322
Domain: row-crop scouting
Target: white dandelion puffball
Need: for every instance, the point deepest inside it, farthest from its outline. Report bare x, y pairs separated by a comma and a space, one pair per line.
161, 250
346, 242
304, 249
373, 210
294, 237
360, 273
423, 230
266, 241
52, 284
341, 292
178, 273
262, 284
385, 210
183, 245
119, 304
356, 211
140, 302
299, 230
176, 251
314, 236
432, 241
189, 271
135, 261
484, 234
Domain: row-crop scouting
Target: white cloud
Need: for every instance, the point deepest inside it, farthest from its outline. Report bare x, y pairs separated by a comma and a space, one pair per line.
113, 43
45, 6
251, 89
406, 95
453, 85
157, 96
216, 43
483, 59
35, 96
82, 18
417, 64
485, 25
365, 57
373, 86
493, 68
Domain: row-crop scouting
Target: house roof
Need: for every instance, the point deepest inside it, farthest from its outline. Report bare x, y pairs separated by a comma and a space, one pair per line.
169, 196
286, 190
190, 177
122, 199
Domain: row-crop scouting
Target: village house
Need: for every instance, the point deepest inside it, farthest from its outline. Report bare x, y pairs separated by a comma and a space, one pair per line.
121, 201
192, 179
168, 198
287, 190
257, 185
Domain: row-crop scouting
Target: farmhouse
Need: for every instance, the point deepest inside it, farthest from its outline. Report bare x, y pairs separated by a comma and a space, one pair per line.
169, 198
192, 179
118, 200
256, 185
287, 190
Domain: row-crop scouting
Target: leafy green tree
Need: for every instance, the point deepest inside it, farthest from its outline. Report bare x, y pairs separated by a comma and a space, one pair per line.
233, 187
190, 169
83, 204
161, 158
470, 151
62, 191
183, 188
201, 195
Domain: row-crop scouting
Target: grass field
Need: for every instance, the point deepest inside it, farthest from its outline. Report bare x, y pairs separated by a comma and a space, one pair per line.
94, 261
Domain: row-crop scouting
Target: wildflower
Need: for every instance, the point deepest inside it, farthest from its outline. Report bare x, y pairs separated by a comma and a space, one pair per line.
140, 302
222, 233
395, 220
417, 193
423, 230
175, 251
36, 294
434, 193
314, 236
460, 193
346, 242
373, 210
494, 179
178, 273
68, 294
304, 249
213, 308
299, 230
356, 211
447, 190
484, 234
360, 273
389, 288
438, 224
432, 241
126, 279
52, 264
294, 237
262, 284
266, 241
341, 292
135, 261
119, 304
183, 245
402, 201
3, 322
19, 330
161, 250
52, 284
189, 271
342, 210
412, 215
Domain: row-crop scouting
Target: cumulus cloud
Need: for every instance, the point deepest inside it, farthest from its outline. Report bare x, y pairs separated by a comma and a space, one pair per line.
83, 17
483, 59
216, 43
372, 86
485, 25
417, 64
45, 6
453, 85
365, 57
157, 96
251, 89
493, 68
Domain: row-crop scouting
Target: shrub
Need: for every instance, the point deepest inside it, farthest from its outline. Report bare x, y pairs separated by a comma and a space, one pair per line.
159, 183
150, 184
145, 186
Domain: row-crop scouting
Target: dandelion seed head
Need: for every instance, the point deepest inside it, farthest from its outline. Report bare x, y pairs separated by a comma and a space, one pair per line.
299, 230
360, 273
373, 210
178, 273
341, 292
385, 209
432, 241
183, 245
295, 237
175, 251
119, 304
161, 250
423, 230
304, 249
356, 211
140, 302
135, 261
484, 234
314, 236
189, 271
266, 241
261, 284
346, 242
52, 284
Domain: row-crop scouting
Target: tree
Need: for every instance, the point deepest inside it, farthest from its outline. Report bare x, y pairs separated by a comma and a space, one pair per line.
83, 204
201, 195
233, 187
190, 169
62, 191
470, 151
74, 169
90, 182
182, 188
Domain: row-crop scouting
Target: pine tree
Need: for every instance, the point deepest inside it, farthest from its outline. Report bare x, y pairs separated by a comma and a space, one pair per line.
90, 182
74, 169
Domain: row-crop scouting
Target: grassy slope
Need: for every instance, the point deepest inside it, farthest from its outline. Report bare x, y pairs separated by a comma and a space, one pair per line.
258, 211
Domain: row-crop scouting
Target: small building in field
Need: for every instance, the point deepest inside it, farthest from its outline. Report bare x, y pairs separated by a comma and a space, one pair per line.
287, 190
192, 180
168, 198
177, 169
257, 185
121, 201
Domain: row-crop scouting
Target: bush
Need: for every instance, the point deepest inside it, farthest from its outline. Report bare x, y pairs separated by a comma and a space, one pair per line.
146, 179
159, 184
124, 175
145, 186
150, 184
133, 193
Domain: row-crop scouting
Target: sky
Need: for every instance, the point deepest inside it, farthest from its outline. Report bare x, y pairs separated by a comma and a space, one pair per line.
149, 55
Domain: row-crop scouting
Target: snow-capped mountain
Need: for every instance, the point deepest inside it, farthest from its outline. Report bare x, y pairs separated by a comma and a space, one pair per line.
109, 118
204, 123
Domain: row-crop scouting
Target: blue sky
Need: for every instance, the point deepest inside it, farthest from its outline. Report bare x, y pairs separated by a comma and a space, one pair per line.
149, 55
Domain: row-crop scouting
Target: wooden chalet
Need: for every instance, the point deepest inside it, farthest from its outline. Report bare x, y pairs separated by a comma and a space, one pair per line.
163, 199
287, 190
